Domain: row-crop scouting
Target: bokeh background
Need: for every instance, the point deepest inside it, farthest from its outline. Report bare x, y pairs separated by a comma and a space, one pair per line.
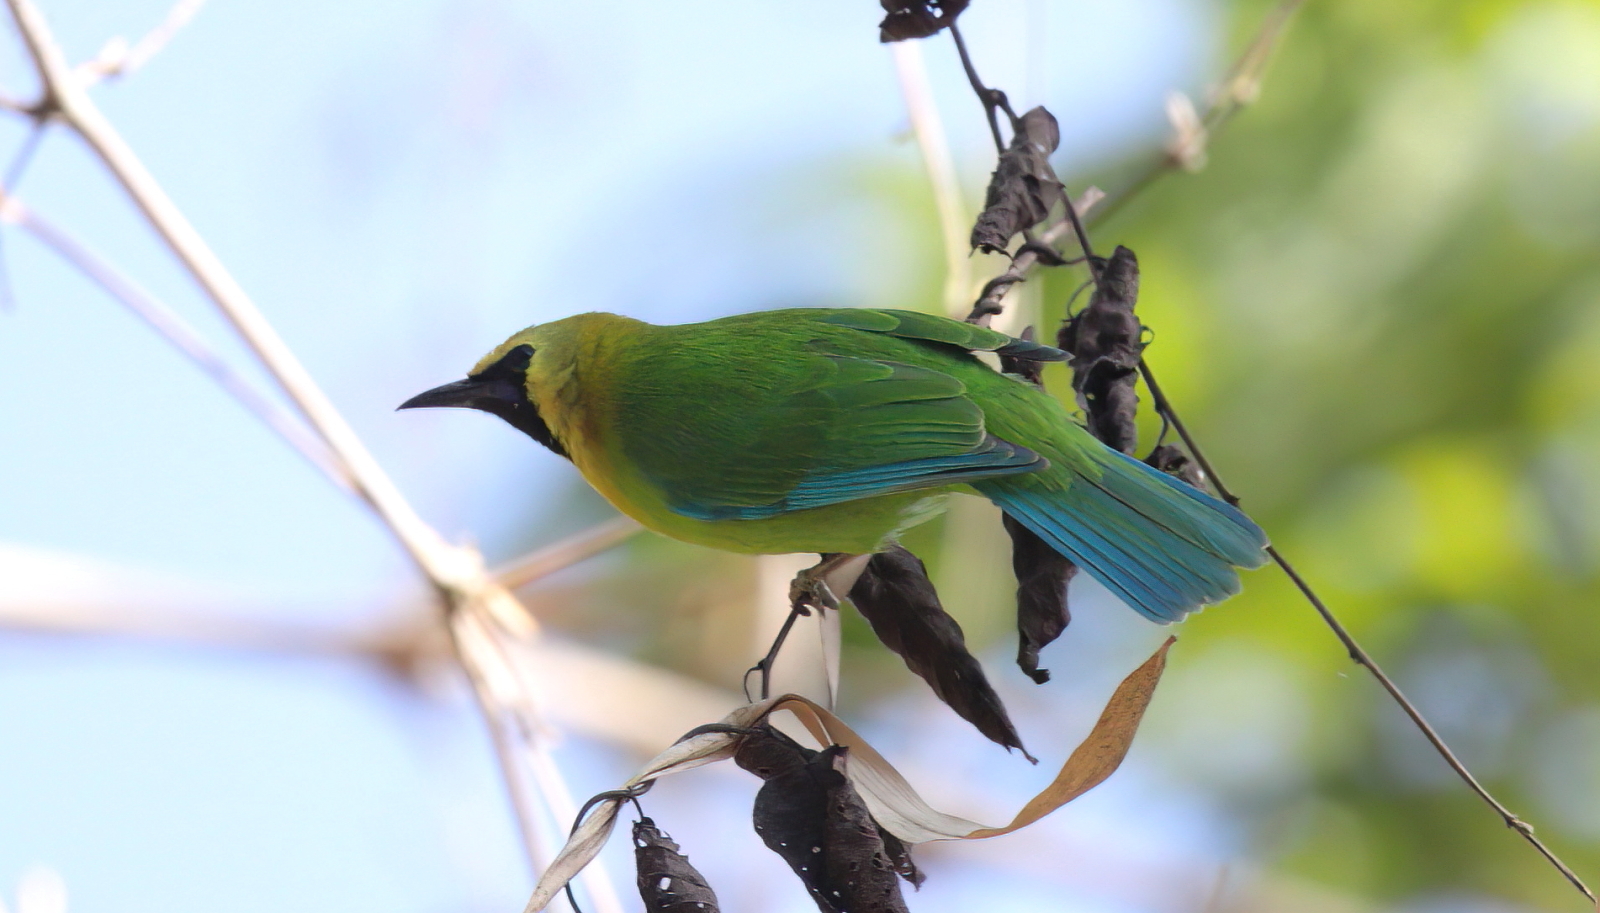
1377, 305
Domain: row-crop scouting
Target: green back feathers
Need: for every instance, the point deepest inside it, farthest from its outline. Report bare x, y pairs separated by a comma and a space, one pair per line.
955, 333
799, 409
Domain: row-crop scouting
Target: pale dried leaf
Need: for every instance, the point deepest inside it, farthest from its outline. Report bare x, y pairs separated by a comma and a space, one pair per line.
893, 802
694, 751
580, 850
831, 634
704, 748
840, 580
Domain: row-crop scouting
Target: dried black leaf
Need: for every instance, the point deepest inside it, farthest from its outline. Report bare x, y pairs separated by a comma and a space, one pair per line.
896, 597
1106, 346
1175, 462
900, 858
859, 868
808, 813
1110, 404
667, 882
791, 805
1042, 577
917, 18
1024, 186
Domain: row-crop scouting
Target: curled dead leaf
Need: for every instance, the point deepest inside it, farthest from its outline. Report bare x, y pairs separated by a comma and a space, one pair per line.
1042, 577
702, 746
1024, 186
898, 600
917, 18
1106, 343
889, 799
667, 882
1098, 756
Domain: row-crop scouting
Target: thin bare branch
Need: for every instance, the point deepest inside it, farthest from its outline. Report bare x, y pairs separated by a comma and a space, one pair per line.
457, 573
169, 326
1242, 85
449, 566
520, 572
478, 652
604, 695
1239, 88
117, 59
994, 101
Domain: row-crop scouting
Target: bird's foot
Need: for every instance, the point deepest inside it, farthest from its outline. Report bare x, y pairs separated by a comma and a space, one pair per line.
810, 590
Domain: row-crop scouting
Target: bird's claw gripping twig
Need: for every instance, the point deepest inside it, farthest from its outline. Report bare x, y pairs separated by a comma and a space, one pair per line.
807, 591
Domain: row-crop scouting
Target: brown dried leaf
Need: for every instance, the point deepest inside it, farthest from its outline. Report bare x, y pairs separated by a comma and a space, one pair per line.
1099, 755
917, 18
887, 797
1024, 186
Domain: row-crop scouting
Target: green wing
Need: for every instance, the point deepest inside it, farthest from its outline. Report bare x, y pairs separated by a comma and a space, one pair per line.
929, 328
747, 418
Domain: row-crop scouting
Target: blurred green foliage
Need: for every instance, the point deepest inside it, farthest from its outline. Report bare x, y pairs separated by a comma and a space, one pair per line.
1379, 308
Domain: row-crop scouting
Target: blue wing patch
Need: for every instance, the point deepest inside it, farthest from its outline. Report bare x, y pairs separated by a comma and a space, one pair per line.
992, 459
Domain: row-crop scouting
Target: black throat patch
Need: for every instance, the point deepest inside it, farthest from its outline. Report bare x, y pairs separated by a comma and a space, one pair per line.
505, 385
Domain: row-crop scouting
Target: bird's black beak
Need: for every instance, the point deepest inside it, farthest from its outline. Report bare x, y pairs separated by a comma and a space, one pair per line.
486, 394
497, 389
500, 389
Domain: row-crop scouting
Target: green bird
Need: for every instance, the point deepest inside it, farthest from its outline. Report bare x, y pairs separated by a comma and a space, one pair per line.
834, 430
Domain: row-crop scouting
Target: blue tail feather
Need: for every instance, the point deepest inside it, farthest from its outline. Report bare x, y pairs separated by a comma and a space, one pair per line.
1162, 546
1220, 528
1063, 534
